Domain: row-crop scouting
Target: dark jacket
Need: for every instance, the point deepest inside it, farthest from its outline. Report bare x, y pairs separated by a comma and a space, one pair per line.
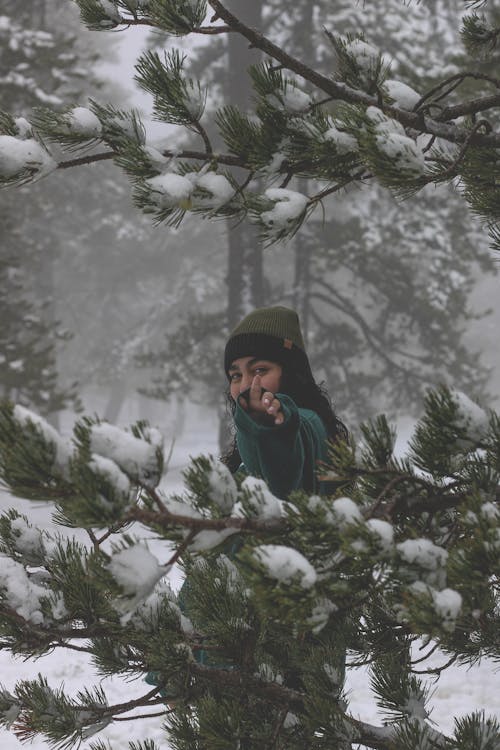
286, 456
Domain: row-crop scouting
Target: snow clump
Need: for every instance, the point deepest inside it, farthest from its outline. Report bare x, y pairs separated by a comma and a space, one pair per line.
285, 564
28, 540
344, 512
112, 473
111, 11
320, 614
425, 555
293, 100
134, 456
170, 189
21, 594
18, 155
363, 53
210, 538
384, 533
149, 609
137, 571
447, 604
288, 207
84, 122
470, 417
223, 489
345, 143
63, 449
23, 127
403, 96
264, 505
220, 189
392, 141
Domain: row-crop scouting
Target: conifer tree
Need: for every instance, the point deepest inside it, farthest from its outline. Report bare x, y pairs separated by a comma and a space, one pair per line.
38, 67
282, 596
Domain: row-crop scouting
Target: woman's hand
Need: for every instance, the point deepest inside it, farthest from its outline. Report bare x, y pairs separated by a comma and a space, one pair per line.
261, 402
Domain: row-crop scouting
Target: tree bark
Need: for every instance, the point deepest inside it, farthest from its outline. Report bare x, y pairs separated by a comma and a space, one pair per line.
245, 272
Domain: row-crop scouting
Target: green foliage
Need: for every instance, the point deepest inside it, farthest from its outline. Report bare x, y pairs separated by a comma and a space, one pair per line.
359, 64
28, 463
477, 730
478, 36
391, 682
97, 16
178, 100
176, 17
278, 595
62, 720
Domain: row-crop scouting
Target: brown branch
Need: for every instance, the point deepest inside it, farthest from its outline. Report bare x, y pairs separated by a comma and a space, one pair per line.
167, 520
141, 716
271, 691
230, 160
81, 160
146, 700
278, 727
206, 140
372, 510
458, 78
210, 30
335, 189
153, 494
182, 548
213, 30
377, 738
471, 107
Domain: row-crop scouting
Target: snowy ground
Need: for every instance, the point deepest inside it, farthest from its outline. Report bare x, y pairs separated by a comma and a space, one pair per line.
458, 692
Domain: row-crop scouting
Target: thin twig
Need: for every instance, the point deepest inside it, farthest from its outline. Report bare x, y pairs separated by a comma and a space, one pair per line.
153, 494
278, 727
459, 78
335, 189
370, 512
206, 140
182, 548
452, 167
141, 716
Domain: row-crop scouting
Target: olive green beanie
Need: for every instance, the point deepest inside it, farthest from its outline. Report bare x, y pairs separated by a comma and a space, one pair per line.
271, 333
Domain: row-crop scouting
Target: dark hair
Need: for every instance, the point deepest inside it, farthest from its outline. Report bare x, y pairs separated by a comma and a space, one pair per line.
307, 394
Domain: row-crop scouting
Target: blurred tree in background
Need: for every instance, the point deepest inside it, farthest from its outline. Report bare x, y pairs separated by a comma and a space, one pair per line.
383, 287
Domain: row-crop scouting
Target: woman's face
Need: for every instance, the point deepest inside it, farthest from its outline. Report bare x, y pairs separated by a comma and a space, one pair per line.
244, 369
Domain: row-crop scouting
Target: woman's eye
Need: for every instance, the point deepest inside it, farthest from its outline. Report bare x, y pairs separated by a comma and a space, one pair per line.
234, 376
260, 370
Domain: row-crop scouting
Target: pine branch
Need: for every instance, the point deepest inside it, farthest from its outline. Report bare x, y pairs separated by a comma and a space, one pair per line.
342, 92
277, 694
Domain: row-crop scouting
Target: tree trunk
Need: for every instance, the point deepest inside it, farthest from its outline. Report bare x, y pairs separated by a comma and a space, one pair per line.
245, 273
304, 247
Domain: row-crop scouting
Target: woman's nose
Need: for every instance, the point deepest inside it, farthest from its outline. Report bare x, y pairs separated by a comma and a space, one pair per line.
245, 382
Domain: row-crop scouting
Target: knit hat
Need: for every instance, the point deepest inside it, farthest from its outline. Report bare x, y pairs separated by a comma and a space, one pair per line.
272, 333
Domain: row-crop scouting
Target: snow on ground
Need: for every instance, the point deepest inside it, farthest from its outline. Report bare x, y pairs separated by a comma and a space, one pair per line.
458, 692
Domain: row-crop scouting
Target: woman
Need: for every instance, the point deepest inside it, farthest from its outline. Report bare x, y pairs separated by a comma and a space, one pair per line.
283, 419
